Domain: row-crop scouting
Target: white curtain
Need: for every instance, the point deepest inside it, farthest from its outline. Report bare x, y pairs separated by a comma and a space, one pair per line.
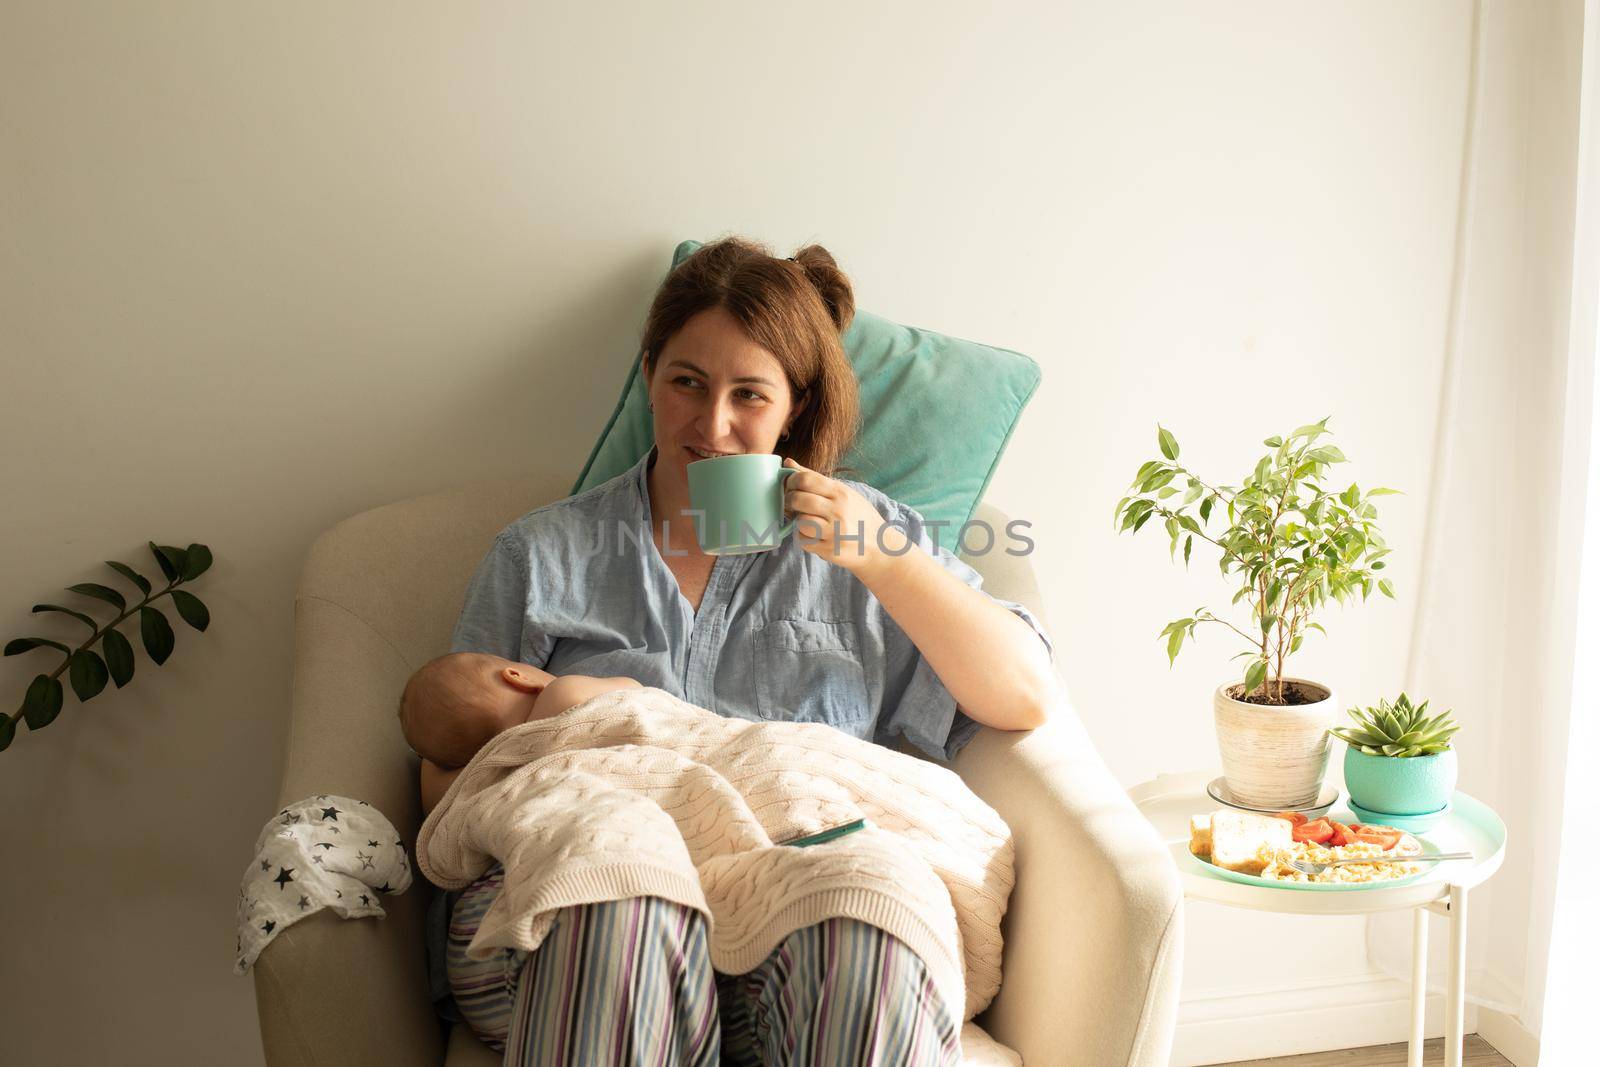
1508, 624
1567, 1012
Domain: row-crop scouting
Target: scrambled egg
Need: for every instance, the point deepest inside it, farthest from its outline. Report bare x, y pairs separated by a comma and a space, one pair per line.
1278, 862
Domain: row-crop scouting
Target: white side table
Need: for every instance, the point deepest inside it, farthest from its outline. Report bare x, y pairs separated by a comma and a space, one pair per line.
1472, 826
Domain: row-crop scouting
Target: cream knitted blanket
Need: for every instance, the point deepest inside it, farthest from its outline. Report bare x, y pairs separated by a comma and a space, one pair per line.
637, 793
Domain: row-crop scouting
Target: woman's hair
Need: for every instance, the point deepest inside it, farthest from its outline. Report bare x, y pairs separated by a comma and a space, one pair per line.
795, 308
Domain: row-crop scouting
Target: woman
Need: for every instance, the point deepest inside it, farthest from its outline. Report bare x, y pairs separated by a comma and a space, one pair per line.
858, 620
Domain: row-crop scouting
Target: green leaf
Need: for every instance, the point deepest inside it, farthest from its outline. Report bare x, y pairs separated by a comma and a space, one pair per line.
132, 575
1116, 515
1317, 626
1352, 495
157, 634
1387, 587
1311, 430
1255, 676
1383, 492
1205, 507
42, 703
8, 730
119, 657
1145, 470
17, 646
1263, 469
1273, 442
1188, 543
80, 616
88, 674
196, 561
1174, 643
100, 592
1195, 492
1157, 480
1169, 443
1142, 520
191, 609
167, 565
1267, 621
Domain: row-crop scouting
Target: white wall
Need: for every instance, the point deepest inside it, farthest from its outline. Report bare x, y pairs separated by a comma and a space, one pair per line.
265, 267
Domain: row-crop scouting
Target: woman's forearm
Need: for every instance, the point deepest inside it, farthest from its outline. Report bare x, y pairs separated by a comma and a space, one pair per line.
991, 661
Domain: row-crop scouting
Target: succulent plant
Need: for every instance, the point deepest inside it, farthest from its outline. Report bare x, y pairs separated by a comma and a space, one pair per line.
1397, 729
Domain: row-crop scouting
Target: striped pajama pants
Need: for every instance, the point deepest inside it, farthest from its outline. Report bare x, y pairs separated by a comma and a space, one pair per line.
630, 982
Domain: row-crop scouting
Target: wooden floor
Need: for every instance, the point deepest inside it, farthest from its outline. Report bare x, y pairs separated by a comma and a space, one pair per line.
1477, 1053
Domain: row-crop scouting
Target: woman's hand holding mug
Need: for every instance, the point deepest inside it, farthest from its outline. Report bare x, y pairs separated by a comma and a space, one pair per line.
835, 522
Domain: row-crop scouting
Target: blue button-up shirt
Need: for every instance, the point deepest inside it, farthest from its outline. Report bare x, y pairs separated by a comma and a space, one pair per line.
579, 587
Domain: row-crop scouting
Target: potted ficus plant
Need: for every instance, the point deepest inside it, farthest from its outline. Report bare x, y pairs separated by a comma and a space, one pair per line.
1291, 545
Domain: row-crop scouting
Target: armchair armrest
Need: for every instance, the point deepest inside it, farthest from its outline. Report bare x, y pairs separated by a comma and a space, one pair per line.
333, 991
1094, 932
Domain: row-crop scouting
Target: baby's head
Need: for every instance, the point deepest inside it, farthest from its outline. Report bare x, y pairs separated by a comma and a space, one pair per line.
453, 705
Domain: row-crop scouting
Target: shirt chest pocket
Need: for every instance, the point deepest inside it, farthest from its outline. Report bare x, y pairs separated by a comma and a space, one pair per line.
810, 670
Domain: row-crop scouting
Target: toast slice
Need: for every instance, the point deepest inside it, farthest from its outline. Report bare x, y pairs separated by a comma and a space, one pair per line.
1237, 837
1200, 835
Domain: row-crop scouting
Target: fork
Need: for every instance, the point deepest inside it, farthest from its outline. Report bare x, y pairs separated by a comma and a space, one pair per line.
1308, 867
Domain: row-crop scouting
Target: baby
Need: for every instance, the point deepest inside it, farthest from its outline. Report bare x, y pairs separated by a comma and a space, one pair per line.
453, 705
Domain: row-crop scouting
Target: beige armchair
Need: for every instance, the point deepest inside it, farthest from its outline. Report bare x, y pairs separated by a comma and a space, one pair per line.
1095, 929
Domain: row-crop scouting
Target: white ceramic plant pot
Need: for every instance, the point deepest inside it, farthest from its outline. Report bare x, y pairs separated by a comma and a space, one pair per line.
1274, 756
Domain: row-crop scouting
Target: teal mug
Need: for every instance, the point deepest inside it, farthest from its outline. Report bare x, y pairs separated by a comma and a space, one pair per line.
739, 501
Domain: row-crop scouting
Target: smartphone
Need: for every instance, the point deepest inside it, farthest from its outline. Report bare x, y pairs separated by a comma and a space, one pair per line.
825, 835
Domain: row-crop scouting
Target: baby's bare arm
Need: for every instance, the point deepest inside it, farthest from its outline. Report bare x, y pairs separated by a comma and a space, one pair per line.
570, 690
435, 781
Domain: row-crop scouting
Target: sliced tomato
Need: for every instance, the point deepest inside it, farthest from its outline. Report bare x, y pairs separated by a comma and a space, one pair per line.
1385, 837
1314, 832
1342, 835
1294, 817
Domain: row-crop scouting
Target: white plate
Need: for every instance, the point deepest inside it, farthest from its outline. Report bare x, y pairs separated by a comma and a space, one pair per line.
1217, 789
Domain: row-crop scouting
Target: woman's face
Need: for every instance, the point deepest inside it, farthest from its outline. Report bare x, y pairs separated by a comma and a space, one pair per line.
717, 393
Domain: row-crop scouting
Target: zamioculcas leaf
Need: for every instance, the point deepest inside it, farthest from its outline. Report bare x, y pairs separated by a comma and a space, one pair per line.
175, 556
166, 565
88, 674
100, 592
157, 634
43, 702
197, 559
132, 575
80, 616
19, 645
119, 657
191, 609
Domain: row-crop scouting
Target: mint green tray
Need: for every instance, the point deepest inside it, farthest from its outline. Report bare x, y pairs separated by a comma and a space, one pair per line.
1470, 826
1428, 848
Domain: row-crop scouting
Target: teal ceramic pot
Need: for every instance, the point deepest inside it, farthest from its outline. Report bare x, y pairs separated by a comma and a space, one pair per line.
1415, 785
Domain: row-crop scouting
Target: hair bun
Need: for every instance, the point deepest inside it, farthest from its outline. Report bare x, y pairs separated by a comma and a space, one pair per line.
830, 282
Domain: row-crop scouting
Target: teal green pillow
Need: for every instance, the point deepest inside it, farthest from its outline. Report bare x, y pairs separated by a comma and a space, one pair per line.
936, 413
